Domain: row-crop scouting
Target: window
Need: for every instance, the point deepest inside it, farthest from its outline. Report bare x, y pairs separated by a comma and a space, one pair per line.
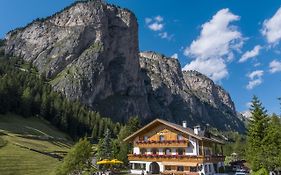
168, 151
143, 151
145, 138
206, 168
180, 168
168, 167
180, 151
139, 166
210, 168
180, 137
143, 166
193, 169
154, 151
161, 138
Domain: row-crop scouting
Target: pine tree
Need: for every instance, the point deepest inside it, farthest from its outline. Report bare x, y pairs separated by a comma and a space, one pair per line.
256, 133
272, 145
124, 148
26, 99
105, 146
77, 160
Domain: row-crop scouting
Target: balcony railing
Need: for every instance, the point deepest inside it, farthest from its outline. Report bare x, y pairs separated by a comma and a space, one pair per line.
174, 158
178, 172
162, 144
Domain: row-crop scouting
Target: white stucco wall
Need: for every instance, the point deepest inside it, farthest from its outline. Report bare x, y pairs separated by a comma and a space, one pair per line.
192, 149
147, 164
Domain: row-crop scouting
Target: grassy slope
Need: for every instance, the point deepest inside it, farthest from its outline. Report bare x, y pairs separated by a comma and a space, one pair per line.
15, 132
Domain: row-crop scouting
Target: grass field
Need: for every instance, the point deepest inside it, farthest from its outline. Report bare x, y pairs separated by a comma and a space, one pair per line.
18, 135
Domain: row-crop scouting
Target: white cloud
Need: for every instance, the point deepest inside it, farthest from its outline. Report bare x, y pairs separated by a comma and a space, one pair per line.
156, 26
275, 66
250, 54
165, 35
175, 55
159, 18
255, 74
215, 68
216, 44
255, 79
257, 64
148, 20
253, 83
272, 28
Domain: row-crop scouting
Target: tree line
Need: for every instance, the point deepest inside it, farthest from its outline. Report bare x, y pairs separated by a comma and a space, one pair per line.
24, 92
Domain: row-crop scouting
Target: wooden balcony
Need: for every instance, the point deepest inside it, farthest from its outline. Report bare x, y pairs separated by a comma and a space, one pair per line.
178, 172
162, 144
175, 158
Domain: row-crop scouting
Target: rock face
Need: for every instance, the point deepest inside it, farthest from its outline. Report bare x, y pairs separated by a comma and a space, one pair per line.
89, 52
189, 95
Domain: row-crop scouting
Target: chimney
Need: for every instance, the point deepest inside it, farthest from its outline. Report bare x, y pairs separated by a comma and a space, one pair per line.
197, 129
184, 124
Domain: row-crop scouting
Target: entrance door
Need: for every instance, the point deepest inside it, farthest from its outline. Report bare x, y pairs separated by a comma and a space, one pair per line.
154, 168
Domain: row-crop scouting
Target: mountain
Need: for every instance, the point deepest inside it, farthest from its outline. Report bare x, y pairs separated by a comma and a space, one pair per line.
89, 52
188, 95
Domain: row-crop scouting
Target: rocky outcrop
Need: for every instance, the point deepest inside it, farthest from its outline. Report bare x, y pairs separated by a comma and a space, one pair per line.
189, 95
205, 89
89, 52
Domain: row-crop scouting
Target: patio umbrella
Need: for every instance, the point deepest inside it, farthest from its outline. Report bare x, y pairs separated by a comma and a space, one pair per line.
104, 161
115, 161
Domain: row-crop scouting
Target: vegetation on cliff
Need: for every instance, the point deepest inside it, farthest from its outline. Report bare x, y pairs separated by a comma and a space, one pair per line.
23, 92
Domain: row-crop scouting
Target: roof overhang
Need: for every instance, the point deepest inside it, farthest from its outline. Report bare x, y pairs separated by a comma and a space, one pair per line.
156, 121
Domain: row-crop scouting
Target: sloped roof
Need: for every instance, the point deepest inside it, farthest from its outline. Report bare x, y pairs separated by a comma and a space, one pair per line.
180, 128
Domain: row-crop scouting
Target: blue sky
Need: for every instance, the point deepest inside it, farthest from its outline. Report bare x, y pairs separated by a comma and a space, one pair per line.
235, 42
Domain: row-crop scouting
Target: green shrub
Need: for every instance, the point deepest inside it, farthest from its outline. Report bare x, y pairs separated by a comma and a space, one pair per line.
261, 171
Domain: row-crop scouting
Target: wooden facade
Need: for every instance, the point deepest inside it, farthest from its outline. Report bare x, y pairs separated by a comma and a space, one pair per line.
177, 149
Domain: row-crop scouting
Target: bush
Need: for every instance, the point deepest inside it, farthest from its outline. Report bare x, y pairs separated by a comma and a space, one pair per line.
261, 171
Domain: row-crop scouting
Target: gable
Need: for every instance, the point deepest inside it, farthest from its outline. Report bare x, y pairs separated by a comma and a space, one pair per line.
164, 131
152, 127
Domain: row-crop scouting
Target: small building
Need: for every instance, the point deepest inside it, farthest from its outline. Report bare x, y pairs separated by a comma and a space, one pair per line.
162, 147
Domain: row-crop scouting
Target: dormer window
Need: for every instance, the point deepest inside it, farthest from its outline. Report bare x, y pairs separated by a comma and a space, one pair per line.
161, 138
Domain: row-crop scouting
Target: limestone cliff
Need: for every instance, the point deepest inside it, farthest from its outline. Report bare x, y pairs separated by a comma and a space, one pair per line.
89, 52
189, 95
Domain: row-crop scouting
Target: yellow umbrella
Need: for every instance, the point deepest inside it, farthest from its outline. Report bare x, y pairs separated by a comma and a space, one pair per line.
104, 161
115, 161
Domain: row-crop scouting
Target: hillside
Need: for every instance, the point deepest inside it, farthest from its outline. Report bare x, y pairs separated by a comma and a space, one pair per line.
29, 145
89, 52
